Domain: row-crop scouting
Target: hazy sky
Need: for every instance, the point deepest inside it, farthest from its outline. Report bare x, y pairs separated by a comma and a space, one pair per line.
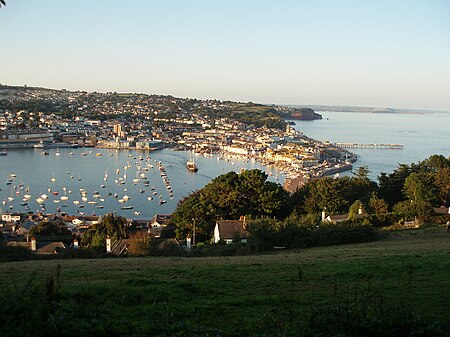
390, 53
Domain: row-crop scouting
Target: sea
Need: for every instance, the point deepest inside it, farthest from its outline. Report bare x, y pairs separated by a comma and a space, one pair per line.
64, 176
421, 135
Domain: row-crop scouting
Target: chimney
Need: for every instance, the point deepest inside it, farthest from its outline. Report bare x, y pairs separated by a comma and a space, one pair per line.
33, 244
108, 244
188, 242
75, 243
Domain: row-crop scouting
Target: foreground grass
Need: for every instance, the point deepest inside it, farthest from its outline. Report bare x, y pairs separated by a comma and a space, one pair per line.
399, 286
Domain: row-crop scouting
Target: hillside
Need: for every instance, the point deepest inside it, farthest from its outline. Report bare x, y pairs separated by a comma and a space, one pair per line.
398, 286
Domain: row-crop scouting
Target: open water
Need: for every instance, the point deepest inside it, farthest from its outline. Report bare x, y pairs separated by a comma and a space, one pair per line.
421, 134
67, 173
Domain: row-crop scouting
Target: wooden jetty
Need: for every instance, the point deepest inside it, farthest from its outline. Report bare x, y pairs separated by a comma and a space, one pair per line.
369, 146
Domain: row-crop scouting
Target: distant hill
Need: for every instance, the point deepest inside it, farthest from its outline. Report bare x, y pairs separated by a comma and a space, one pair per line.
347, 108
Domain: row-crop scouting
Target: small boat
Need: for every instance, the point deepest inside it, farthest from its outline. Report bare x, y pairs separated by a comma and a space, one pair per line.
55, 193
45, 153
39, 146
137, 213
99, 154
3, 153
99, 206
126, 207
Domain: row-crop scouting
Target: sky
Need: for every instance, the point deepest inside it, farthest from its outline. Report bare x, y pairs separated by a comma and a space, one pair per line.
380, 53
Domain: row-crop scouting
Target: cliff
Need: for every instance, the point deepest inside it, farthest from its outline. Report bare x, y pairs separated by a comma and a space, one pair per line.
307, 114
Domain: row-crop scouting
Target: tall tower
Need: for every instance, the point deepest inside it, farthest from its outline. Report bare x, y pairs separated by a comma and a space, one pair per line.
118, 129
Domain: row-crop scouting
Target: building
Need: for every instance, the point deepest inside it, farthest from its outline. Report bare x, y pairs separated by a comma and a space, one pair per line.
11, 217
230, 231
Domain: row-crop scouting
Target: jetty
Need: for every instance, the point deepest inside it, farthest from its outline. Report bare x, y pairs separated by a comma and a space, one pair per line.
369, 146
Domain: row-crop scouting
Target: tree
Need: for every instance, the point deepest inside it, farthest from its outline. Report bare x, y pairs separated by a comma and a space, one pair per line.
116, 227
354, 209
362, 173
434, 163
410, 208
50, 228
420, 187
140, 243
442, 182
378, 205
327, 193
391, 185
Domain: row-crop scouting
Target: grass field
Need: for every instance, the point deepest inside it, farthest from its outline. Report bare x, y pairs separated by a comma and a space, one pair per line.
398, 286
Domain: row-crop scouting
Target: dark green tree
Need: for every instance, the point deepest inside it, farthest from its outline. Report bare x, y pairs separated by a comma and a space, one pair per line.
116, 227
420, 187
49, 228
442, 182
377, 205
391, 184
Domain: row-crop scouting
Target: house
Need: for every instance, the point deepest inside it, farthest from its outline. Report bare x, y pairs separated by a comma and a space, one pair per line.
42, 248
25, 227
441, 210
48, 248
336, 218
229, 231
161, 220
11, 217
342, 217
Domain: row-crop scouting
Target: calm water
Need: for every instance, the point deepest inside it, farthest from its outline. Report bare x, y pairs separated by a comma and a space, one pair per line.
422, 135
75, 172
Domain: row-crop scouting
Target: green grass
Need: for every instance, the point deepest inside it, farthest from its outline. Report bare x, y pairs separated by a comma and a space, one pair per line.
400, 283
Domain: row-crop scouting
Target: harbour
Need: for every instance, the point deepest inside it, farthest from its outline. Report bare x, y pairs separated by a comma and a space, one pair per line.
133, 183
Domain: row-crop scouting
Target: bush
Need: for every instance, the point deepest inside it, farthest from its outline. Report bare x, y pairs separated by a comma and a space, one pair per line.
267, 233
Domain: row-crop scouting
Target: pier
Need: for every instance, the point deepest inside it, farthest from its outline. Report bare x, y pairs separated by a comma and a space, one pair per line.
369, 146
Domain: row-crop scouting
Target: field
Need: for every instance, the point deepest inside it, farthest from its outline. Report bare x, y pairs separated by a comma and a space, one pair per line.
397, 286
